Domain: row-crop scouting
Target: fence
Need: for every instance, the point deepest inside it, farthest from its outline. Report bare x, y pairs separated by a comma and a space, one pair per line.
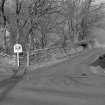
7, 59
44, 55
40, 55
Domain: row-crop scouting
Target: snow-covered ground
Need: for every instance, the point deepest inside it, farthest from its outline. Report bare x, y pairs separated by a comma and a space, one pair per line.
99, 45
99, 37
59, 84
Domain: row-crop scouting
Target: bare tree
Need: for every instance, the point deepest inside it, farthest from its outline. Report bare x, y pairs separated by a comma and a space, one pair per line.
82, 15
18, 13
4, 20
18, 21
39, 9
91, 15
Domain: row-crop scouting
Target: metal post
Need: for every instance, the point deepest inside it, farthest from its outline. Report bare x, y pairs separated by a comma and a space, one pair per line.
27, 58
17, 59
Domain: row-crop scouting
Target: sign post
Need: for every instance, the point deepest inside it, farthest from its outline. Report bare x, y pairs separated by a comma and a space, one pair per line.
27, 59
28, 53
17, 56
17, 50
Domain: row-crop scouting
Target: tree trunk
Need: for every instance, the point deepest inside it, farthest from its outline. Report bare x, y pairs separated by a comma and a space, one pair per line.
43, 40
4, 34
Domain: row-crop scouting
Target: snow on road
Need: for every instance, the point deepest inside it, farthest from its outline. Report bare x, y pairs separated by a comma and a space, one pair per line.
60, 84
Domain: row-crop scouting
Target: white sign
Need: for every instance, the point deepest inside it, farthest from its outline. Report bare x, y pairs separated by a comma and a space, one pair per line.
17, 48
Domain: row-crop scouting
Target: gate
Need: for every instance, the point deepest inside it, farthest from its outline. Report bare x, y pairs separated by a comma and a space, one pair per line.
23, 59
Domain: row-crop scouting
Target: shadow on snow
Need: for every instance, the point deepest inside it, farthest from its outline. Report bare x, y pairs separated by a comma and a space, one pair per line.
8, 84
